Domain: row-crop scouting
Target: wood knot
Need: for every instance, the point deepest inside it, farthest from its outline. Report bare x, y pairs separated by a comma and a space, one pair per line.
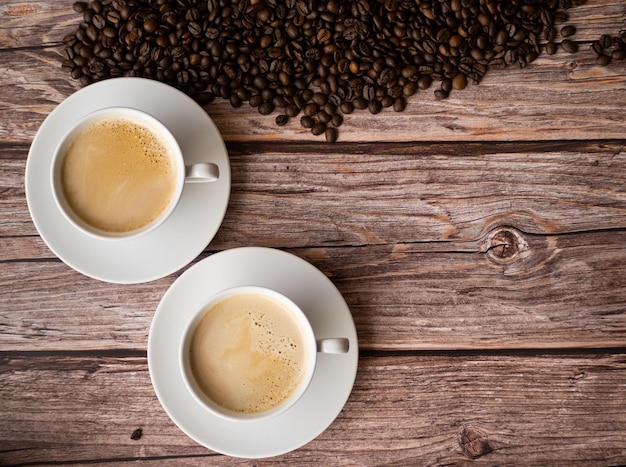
505, 245
474, 442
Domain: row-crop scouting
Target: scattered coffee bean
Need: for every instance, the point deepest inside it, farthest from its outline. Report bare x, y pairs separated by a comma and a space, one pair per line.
322, 59
307, 122
331, 135
266, 108
318, 128
374, 107
336, 120
569, 46
551, 48
360, 103
282, 120
459, 82
399, 104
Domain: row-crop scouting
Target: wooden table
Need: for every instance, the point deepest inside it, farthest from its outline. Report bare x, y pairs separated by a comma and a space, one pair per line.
479, 242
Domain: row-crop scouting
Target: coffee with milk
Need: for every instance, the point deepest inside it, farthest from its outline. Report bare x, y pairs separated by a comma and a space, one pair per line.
119, 175
248, 353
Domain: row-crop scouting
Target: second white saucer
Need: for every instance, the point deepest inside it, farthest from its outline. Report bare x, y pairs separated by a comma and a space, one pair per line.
324, 307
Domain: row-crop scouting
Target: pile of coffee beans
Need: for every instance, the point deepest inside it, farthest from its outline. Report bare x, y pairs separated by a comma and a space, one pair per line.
317, 60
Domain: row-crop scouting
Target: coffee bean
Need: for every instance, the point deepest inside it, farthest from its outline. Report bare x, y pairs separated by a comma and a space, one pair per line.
347, 107
424, 82
235, 100
266, 108
606, 41
399, 104
255, 100
551, 48
360, 103
307, 122
386, 101
374, 107
569, 46
459, 82
310, 109
567, 31
194, 28
125, 12
331, 135
596, 48
282, 120
322, 116
79, 7
98, 21
410, 89
336, 120
150, 25
319, 98
318, 128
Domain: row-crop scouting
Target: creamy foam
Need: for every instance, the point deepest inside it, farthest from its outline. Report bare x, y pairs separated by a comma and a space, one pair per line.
118, 175
248, 353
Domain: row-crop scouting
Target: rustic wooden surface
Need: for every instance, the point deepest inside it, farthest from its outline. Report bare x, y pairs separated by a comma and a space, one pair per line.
479, 242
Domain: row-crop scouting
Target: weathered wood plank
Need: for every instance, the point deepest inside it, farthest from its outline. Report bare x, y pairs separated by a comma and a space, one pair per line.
427, 410
378, 194
560, 291
35, 23
315, 195
47, 305
430, 210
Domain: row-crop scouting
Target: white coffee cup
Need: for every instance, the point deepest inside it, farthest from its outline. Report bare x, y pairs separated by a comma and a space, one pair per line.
239, 357
119, 173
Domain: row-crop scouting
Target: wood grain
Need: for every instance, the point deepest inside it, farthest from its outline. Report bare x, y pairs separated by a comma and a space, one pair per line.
423, 409
403, 230
559, 292
316, 195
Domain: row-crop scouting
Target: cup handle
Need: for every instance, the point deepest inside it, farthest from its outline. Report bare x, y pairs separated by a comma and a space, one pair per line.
201, 172
335, 345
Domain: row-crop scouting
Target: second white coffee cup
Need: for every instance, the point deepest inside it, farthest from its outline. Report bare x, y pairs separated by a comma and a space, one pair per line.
249, 353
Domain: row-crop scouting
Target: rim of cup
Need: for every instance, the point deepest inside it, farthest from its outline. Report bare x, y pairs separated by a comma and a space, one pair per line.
133, 114
214, 407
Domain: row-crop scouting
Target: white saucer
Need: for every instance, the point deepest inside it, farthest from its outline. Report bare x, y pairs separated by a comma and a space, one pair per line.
187, 231
307, 287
